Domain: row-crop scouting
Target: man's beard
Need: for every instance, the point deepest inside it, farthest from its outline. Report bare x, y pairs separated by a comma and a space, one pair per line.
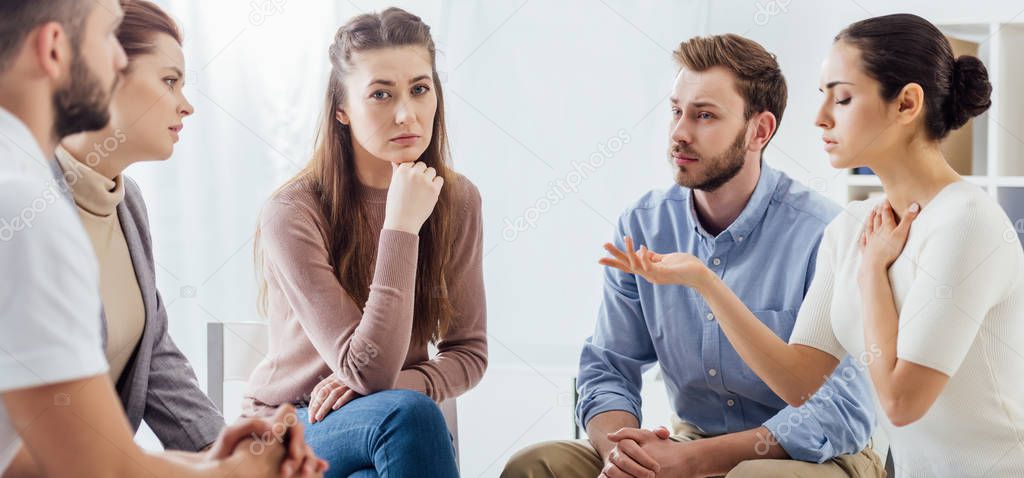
81, 105
719, 169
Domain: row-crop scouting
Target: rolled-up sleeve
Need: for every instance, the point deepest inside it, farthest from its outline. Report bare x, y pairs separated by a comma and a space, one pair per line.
837, 420
614, 358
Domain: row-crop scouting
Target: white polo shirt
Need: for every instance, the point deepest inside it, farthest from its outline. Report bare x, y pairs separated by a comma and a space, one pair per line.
49, 279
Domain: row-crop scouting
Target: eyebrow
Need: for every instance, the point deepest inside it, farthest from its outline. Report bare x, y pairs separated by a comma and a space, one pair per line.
698, 104
831, 84
392, 83
176, 70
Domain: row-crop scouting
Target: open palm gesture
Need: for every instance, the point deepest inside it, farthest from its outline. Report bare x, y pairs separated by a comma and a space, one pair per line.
676, 268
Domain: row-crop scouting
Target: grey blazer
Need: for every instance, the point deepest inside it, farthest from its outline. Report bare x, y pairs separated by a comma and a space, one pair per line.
158, 384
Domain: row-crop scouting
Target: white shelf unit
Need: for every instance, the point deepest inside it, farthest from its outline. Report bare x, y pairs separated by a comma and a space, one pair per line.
996, 158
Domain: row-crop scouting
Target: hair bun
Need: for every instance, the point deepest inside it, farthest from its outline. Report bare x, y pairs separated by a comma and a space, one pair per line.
970, 92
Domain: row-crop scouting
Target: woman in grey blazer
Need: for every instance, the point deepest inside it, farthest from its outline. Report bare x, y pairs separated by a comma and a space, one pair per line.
153, 378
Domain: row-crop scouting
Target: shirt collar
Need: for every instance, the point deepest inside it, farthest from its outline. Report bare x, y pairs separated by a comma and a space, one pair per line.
753, 212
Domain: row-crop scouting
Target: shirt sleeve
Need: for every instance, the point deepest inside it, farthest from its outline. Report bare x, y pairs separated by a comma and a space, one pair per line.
964, 269
49, 291
613, 359
837, 420
813, 326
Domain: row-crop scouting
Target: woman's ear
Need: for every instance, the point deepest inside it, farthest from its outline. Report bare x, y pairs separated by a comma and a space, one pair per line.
910, 103
341, 116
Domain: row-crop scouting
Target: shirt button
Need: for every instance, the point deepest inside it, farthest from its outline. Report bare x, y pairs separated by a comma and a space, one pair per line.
712, 372
730, 402
710, 316
716, 261
741, 238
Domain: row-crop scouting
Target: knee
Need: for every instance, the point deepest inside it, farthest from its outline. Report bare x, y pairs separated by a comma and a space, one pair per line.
756, 469
534, 461
408, 405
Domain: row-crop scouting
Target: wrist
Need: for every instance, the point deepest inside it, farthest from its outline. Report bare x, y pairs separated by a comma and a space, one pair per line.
398, 226
705, 281
871, 270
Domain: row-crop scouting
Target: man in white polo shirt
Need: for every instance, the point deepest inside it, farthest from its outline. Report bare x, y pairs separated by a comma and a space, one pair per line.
59, 415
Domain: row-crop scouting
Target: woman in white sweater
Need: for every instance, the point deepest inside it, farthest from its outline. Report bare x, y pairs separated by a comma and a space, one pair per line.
924, 286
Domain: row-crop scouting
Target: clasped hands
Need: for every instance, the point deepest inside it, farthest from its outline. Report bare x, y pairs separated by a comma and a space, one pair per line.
640, 453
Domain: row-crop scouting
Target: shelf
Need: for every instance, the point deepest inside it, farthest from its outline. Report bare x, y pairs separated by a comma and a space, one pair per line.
1009, 181
870, 180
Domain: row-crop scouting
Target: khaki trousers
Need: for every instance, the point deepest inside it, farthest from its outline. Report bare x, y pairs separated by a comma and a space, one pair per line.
578, 459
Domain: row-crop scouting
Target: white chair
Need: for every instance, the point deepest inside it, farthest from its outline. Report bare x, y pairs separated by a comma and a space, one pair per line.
234, 349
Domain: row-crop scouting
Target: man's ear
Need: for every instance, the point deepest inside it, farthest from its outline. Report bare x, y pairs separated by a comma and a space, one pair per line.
909, 103
50, 48
341, 116
764, 125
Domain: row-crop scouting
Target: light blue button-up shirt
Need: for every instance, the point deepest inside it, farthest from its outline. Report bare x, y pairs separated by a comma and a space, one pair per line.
767, 258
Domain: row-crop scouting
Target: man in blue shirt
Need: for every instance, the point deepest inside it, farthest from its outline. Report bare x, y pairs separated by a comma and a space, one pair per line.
759, 231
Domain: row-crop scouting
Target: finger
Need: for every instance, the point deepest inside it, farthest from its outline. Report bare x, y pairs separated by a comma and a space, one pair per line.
635, 434
347, 397
328, 404
662, 433
296, 442
438, 181
419, 166
878, 218
615, 263
630, 255
633, 450
641, 256
615, 252
627, 464
430, 173
869, 227
910, 215
231, 435
314, 403
888, 217
612, 471
317, 400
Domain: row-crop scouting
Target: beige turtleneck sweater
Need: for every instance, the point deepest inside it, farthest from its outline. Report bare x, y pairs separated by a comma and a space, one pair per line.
97, 198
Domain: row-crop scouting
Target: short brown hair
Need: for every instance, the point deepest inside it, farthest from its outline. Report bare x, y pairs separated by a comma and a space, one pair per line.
142, 21
19, 17
758, 77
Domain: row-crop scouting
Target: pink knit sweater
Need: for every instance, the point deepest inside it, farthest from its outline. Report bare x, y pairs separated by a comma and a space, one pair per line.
316, 329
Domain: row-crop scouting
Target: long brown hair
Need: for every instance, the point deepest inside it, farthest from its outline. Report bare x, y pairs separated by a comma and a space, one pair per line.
332, 171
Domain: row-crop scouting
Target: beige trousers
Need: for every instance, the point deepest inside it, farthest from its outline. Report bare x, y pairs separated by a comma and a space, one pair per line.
578, 459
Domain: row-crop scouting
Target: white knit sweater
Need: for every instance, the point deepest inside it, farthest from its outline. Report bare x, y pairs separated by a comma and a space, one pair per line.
959, 289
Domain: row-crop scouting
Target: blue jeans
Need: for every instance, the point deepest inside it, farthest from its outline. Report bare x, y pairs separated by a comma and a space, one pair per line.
390, 434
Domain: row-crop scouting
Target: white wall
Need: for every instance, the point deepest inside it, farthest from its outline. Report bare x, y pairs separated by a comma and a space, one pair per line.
535, 91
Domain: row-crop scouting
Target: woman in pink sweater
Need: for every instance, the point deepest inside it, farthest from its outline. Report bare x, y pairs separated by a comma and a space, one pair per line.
368, 255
